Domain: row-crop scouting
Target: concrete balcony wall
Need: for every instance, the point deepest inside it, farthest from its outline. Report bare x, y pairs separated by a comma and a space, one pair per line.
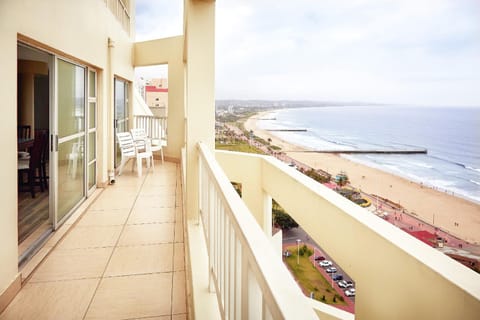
241, 266
168, 51
396, 275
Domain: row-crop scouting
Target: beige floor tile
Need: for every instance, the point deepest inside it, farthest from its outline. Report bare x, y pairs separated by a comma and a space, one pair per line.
151, 215
129, 297
147, 234
111, 200
158, 201
52, 300
73, 264
167, 179
152, 190
179, 316
104, 218
141, 260
91, 237
179, 257
178, 232
179, 303
179, 214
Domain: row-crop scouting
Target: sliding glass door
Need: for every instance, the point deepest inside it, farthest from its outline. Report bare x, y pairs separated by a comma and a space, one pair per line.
70, 138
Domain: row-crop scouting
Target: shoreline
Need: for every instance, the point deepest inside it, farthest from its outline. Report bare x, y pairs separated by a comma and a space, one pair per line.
456, 215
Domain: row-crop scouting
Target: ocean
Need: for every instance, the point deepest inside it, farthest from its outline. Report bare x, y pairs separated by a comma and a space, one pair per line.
451, 136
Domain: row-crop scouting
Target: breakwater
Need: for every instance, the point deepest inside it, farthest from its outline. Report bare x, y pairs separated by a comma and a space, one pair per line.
408, 151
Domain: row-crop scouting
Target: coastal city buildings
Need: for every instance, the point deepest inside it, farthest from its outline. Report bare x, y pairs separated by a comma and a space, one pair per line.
79, 58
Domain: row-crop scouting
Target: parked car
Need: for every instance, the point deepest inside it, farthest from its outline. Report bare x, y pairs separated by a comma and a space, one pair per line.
331, 270
325, 263
337, 277
350, 292
349, 284
319, 258
342, 284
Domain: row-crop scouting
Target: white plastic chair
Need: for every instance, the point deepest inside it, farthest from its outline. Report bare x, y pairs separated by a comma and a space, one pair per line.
130, 151
140, 137
73, 158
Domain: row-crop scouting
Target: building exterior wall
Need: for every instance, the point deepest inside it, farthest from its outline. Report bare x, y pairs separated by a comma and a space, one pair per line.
156, 96
79, 31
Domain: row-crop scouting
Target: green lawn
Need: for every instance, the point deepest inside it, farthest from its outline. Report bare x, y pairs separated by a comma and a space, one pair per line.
240, 146
310, 279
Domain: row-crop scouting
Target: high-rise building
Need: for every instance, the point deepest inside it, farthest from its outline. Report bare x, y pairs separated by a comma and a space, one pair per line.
156, 96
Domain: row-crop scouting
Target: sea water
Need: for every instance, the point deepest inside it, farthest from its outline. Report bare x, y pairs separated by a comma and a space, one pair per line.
450, 135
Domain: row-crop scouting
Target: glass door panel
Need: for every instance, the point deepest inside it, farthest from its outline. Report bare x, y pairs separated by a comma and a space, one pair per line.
71, 137
70, 175
121, 113
92, 131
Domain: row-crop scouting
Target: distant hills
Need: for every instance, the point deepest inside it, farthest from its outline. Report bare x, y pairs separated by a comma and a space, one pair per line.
288, 103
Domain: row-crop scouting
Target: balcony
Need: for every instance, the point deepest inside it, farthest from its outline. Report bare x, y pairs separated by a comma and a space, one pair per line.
125, 256
122, 257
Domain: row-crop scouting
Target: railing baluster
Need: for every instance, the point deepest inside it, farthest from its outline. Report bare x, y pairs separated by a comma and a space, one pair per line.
235, 269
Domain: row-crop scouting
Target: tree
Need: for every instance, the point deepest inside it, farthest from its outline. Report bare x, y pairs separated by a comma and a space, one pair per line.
283, 220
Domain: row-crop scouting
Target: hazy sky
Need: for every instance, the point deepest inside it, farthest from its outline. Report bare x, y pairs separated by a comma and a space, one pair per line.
396, 51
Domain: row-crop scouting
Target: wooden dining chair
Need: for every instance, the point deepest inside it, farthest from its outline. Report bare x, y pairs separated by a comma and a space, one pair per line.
23, 132
32, 167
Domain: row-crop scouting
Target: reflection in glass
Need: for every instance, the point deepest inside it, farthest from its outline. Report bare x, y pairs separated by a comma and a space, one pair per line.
91, 146
91, 87
91, 117
71, 99
70, 175
91, 175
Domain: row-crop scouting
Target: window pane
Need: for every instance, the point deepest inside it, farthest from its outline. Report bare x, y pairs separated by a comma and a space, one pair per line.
91, 117
92, 84
92, 175
91, 146
71, 99
120, 105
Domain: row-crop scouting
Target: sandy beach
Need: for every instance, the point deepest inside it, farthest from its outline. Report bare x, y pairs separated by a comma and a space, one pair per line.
455, 215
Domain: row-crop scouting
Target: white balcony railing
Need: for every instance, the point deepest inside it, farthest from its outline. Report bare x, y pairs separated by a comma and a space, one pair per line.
246, 274
120, 10
155, 127
396, 275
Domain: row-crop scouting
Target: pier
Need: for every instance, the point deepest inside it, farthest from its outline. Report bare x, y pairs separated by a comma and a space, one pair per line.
409, 151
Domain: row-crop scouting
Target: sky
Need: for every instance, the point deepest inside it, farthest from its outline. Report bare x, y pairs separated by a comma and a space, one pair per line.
420, 52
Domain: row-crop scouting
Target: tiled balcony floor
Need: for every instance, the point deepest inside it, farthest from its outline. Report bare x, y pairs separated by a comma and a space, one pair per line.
124, 259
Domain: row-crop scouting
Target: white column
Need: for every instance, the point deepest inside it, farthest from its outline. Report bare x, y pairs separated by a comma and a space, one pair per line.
200, 104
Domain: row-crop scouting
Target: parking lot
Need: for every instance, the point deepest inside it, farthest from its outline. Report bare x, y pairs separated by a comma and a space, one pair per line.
291, 236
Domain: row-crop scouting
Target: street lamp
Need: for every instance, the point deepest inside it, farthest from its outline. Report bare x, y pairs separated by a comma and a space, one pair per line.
298, 251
